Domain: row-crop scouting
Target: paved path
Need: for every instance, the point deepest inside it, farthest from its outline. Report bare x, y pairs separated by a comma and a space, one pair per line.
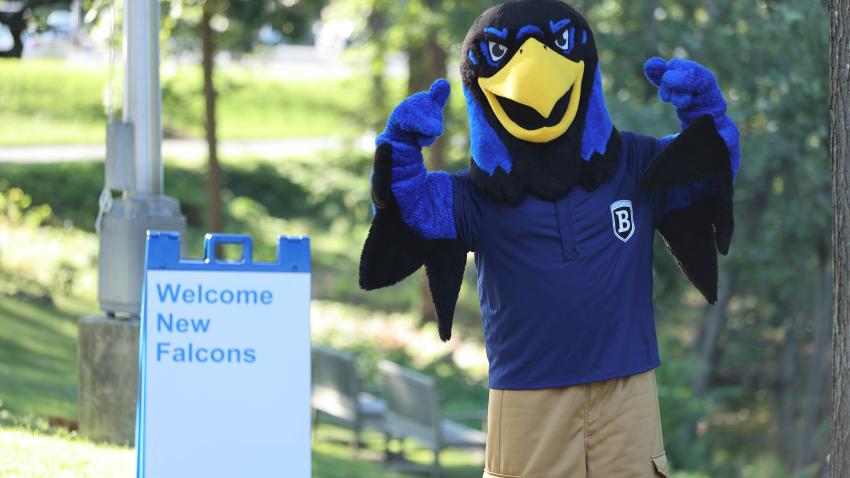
180, 148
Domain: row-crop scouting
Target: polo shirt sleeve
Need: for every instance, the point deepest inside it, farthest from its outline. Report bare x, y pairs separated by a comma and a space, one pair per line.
466, 204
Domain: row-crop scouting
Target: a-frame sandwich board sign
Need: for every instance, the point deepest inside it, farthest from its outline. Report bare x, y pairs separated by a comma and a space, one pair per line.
224, 362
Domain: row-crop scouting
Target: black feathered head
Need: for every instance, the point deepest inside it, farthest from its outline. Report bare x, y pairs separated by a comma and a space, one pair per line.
538, 120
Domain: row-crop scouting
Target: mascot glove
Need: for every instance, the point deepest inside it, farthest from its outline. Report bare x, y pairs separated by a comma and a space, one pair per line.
690, 87
424, 199
418, 120
693, 90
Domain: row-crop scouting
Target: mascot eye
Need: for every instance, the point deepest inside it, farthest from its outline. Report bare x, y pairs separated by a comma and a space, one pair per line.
564, 42
497, 50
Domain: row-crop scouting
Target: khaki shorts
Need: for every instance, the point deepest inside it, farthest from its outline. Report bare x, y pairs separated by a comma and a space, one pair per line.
609, 429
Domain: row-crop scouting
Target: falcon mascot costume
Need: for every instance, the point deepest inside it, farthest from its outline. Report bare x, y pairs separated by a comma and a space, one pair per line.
560, 209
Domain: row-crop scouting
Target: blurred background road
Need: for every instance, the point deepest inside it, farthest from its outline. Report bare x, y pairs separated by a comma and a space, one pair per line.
182, 148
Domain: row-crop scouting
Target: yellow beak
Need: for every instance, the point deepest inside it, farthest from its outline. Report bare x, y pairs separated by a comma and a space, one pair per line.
536, 77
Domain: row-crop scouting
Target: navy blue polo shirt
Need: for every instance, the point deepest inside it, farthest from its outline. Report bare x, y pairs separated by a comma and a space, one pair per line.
566, 286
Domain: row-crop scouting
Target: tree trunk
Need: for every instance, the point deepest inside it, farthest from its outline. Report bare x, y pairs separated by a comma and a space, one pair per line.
652, 24
377, 24
426, 63
714, 324
214, 203
785, 399
435, 57
17, 24
839, 40
817, 368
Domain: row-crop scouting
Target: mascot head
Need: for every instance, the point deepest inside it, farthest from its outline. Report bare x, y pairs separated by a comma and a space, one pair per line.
533, 87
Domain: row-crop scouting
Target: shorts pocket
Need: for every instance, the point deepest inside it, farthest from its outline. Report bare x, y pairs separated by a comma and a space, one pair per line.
490, 474
659, 461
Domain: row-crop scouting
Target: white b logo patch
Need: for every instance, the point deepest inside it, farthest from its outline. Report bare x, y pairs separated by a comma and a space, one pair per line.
623, 219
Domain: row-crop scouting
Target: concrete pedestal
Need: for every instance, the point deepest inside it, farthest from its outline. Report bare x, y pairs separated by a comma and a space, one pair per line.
109, 379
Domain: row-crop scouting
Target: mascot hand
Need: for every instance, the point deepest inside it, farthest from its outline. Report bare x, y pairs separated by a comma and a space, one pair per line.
694, 91
690, 87
418, 120
424, 199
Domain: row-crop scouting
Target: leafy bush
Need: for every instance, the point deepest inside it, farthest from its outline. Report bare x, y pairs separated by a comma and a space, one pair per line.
62, 259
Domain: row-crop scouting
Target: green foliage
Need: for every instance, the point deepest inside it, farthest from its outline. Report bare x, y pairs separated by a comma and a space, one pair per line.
770, 58
264, 199
76, 206
33, 246
237, 23
16, 207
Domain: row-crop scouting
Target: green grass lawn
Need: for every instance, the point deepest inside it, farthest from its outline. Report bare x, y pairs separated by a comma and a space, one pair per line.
38, 354
44, 128
31, 454
52, 102
28, 453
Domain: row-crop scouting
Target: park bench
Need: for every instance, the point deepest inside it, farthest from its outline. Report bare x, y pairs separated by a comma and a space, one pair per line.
337, 396
413, 411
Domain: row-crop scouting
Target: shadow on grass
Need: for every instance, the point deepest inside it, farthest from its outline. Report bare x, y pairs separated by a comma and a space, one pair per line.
38, 366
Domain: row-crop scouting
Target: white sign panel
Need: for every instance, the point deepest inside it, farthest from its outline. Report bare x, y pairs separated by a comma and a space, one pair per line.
225, 364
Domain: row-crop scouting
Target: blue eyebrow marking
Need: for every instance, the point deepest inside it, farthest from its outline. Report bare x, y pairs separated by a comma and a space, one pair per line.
472, 58
503, 33
556, 26
528, 30
583, 37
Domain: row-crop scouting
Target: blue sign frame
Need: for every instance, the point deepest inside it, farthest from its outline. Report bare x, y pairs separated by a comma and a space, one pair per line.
163, 253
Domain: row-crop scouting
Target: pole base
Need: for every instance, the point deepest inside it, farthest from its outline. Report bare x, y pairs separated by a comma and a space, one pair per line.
109, 379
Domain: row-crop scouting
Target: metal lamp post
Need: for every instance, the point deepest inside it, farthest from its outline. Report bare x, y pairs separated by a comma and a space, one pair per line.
134, 166
108, 346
